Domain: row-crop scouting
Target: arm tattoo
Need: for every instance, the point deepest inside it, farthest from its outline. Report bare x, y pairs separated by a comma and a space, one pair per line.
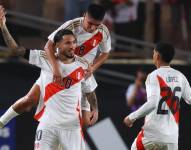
92, 99
8, 38
11, 43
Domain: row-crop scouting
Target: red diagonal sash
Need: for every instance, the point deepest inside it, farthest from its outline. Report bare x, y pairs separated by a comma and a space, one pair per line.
88, 45
169, 100
73, 78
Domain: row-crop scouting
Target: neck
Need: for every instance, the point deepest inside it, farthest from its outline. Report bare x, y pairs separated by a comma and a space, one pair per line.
65, 60
162, 64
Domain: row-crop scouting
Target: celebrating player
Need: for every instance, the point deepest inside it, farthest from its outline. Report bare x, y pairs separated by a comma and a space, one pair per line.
165, 86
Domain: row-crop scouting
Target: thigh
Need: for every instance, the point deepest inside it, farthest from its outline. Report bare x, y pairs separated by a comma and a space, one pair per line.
46, 138
34, 93
72, 140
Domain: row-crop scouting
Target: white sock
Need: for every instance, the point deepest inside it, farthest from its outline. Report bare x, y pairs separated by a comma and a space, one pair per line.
8, 115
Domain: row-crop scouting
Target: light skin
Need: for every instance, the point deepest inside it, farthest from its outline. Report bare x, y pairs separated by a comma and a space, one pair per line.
66, 54
89, 25
158, 62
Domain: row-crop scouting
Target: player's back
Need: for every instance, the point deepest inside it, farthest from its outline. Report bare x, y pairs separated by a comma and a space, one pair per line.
167, 86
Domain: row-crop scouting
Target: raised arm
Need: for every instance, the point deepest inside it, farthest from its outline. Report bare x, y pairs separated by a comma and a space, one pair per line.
6, 35
50, 52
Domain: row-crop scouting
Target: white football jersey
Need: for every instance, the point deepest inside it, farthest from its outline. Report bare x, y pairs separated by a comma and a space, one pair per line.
88, 43
62, 104
165, 87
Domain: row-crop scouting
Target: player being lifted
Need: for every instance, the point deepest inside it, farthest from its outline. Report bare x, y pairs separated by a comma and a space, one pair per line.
93, 40
164, 86
32, 98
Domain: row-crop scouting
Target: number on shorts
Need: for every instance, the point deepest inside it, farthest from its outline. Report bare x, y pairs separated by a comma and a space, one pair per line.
174, 100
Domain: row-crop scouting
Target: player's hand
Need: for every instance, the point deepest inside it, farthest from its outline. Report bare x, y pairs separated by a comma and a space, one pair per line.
1, 125
2, 16
89, 71
128, 122
94, 117
57, 77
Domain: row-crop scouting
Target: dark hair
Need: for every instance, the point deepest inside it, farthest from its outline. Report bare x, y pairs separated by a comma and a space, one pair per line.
166, 51
59, 35
96, 11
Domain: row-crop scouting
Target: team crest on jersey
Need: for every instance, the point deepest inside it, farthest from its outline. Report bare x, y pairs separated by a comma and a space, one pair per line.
94, 42
79, 75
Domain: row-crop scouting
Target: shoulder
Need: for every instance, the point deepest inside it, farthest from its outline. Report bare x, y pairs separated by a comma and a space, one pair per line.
152, 77
104, 30
71, 24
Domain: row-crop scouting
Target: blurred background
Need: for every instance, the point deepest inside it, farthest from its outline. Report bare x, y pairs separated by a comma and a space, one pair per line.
135, 26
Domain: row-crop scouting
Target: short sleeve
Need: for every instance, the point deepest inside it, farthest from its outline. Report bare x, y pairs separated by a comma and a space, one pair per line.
105, 45
186, 90
89, 85
152, 86
64, 26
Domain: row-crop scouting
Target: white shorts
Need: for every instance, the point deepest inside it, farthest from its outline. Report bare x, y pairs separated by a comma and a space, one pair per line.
92, 86
142, 144
49, 138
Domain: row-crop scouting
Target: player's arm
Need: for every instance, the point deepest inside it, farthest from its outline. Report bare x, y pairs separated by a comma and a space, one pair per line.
153, 95
92, 99
99, 61
7, 36
186, 91
50, 52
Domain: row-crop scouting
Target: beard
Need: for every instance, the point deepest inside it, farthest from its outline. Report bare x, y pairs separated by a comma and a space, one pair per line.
69, 55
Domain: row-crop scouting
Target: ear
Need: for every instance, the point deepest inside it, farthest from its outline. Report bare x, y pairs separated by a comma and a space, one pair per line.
158, 56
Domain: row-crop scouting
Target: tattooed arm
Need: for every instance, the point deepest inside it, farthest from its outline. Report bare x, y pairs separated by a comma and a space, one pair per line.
10, 42
92, 99
7, 36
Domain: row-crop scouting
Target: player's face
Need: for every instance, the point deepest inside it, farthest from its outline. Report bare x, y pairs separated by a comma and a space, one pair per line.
90, 25
67, 46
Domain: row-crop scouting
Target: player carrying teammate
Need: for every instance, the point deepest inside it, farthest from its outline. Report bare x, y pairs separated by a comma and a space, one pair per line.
32, 98
60, 116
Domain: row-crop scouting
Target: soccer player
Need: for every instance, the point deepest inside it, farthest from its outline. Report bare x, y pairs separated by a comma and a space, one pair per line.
33, 96
60, 117
93, 40
164, 86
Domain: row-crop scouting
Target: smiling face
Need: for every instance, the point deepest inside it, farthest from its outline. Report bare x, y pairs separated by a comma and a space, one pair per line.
90, 24
66, 46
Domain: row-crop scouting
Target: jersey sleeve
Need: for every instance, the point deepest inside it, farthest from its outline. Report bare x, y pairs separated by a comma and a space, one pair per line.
153, 95
39, 59
105, 45
186, 92
66, 25
89, 85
